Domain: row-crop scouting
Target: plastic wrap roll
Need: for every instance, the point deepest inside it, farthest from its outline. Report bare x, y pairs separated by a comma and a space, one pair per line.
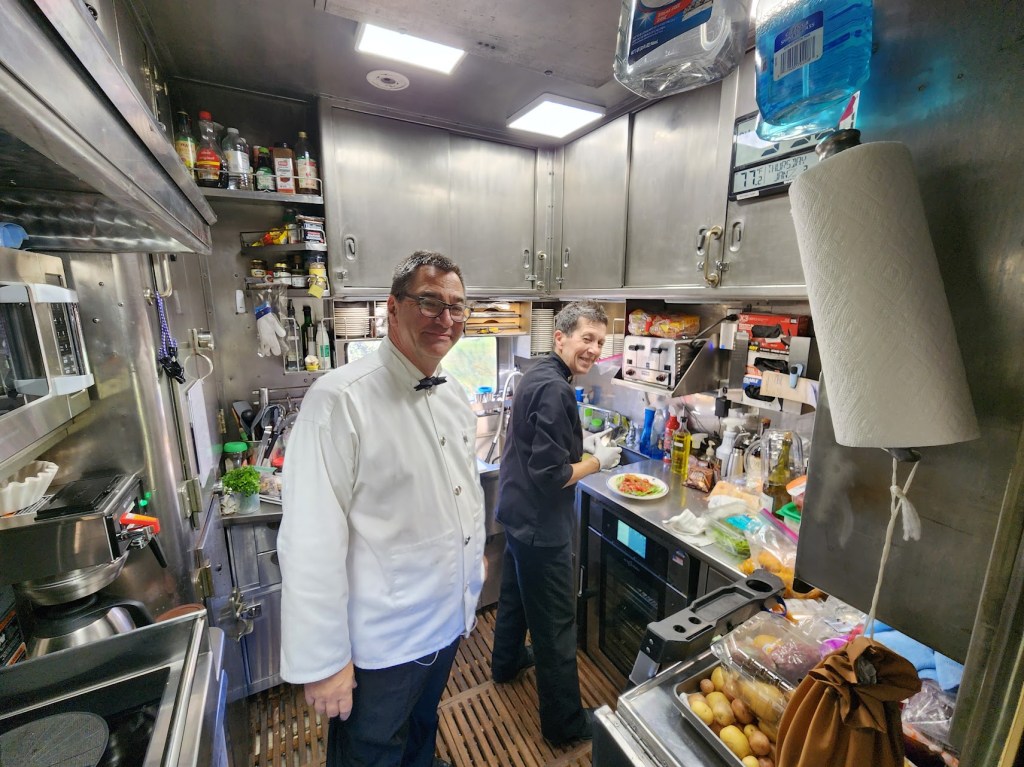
888, 348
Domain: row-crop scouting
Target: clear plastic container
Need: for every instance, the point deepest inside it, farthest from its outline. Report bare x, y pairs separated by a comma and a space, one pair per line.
727, 530
813, 55
671, 46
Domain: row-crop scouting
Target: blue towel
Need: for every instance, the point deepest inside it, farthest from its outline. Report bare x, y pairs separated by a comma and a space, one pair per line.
929, 664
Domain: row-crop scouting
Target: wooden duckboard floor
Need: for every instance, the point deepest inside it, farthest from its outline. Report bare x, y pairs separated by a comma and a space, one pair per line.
482, 724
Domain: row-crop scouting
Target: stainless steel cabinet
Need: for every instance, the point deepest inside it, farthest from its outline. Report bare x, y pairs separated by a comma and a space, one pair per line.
394, 187
677, 190
386, 193
492, 196
594, 187
759, 247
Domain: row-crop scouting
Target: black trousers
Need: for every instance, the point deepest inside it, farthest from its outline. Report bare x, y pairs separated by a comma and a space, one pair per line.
537, 594
394, 715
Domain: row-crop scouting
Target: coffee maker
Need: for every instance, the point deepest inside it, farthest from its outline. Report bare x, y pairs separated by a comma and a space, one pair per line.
61, 553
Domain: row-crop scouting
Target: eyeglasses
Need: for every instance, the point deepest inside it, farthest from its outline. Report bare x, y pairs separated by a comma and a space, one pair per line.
434, 308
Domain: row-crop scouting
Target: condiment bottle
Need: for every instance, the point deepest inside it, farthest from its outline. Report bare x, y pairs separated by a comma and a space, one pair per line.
265, 180
666, 440
681, 441
211, 168
184, 141
305, 166
779, 476
284, 167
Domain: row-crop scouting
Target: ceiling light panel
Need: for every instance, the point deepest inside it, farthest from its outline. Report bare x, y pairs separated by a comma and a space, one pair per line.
409, 49
555, 116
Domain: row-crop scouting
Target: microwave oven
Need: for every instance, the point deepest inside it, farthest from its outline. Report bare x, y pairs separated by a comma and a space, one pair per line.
44, 366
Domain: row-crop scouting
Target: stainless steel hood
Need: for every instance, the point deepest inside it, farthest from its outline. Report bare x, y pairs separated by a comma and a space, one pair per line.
85, 165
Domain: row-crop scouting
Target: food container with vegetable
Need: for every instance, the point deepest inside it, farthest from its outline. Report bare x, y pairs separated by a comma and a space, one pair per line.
728, 526
709, 701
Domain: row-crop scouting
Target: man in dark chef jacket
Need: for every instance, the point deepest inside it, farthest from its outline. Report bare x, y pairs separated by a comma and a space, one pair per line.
543, 458
382, 536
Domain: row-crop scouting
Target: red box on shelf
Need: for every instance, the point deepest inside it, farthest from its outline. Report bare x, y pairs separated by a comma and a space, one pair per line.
772, 331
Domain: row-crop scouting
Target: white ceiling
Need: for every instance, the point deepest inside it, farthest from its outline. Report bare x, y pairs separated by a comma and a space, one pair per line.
517, 50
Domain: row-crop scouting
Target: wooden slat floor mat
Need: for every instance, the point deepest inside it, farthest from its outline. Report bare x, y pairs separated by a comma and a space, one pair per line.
482, 724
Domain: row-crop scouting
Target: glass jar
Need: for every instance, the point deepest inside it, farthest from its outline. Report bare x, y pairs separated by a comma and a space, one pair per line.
236, 455
258, 268
282, 273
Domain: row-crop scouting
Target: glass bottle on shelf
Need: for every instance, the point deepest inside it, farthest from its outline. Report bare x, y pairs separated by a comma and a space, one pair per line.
291, 338
308, 333
264, 176
305, 166
184, 141
779, 476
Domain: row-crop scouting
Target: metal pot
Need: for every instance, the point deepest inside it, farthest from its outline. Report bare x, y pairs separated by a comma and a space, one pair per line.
84, 621
66, 587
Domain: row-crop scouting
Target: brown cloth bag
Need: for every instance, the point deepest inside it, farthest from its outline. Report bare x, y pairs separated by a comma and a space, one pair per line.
846, 713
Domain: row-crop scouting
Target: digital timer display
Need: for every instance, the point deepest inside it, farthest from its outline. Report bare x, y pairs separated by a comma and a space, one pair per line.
772, 173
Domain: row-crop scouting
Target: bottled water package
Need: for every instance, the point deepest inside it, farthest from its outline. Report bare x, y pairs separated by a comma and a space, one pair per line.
670, 46
812, 56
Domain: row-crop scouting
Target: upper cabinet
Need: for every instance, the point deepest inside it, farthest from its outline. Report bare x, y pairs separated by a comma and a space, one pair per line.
492, 208
395, 187
677, 191
594, 188
759, 247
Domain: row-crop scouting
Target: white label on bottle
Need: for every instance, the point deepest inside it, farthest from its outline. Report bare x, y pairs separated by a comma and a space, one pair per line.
238, 162
307, 171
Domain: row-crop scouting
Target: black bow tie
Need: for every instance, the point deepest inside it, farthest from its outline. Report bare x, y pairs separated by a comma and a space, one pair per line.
426, 383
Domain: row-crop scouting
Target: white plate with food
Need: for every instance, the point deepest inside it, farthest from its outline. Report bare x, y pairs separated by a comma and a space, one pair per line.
639, 487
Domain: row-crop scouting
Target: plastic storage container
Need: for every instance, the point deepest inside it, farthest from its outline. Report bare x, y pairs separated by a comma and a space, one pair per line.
813, 55
728, 526
670, 46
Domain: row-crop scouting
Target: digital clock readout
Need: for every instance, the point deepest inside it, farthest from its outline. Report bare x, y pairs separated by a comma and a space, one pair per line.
782, 171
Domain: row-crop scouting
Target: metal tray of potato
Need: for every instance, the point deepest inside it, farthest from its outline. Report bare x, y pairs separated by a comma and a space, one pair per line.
690, 685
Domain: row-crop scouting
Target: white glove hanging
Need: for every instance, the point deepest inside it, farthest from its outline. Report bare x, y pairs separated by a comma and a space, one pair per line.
268, 330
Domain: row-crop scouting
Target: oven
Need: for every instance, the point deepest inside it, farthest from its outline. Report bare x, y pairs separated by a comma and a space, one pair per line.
628, 579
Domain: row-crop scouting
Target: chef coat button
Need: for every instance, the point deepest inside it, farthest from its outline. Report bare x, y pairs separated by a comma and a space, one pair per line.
443, 440
467, 540
458, 490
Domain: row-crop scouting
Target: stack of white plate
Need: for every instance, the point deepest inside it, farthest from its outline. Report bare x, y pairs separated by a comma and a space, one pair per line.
612, 346
352, 321
380, 319
542, 328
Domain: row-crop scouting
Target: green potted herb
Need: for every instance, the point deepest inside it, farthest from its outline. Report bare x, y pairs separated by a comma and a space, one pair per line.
241, 491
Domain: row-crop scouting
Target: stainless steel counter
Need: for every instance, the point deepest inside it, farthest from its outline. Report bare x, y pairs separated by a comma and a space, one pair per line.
651, 515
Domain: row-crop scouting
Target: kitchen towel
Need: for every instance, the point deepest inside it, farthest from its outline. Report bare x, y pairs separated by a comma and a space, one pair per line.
888, 348
690, 528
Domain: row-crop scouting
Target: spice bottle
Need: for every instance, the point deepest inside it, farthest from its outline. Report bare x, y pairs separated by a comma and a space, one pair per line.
284, 167
265, 180
305, 166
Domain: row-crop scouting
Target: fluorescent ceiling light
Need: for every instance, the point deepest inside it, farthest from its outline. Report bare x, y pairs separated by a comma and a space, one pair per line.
554, 116
412, 50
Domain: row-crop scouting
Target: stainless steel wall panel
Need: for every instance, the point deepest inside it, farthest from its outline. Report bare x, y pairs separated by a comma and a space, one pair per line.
386, 188
492, 194
595, 185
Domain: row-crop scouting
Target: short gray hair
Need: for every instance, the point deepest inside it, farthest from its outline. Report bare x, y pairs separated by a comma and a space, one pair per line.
567, 319
405, 272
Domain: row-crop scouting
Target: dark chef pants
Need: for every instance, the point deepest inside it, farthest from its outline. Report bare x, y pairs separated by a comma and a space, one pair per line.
537, 594
394, 715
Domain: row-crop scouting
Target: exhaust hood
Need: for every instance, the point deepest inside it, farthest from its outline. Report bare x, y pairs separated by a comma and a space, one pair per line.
85, 166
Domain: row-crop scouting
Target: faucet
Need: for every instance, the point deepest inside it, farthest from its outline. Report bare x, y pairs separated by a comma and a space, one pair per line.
506, 411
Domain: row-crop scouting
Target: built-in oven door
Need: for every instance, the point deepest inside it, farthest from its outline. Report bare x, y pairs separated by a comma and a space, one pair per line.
632, 580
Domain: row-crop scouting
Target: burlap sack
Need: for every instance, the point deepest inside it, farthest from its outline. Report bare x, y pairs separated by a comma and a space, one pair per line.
845, 713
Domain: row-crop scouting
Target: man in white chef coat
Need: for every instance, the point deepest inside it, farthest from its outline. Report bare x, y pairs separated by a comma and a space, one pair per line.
382, 536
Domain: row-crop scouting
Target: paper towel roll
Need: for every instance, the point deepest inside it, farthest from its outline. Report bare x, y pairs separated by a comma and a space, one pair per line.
888, 350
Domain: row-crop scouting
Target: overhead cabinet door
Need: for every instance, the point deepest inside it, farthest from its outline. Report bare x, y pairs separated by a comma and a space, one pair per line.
593, 241
676, 189
492, 194
386, 186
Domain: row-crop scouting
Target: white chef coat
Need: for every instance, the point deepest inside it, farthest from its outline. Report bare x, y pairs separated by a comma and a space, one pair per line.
382, 536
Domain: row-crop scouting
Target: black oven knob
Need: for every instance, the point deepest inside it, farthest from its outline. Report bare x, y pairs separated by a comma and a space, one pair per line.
661, 377
635, 347
630, 373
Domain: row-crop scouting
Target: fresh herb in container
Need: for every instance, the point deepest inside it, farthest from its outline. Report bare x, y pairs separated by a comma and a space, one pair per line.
241, 491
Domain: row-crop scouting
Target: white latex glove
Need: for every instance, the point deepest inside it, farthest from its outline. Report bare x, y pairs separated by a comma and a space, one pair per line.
607, 455
269, 330
591, 441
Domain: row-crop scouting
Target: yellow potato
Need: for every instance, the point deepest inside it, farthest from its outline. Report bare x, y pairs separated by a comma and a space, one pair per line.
759, 744
723, 714
717, 697
735, 740
749, 730
718, 678
749, 761
703, 710
696, 696
741, 712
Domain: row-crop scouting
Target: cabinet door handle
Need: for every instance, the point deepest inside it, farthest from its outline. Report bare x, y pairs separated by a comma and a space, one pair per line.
735, 236
565, 259
351, 247
704, 238
527, 261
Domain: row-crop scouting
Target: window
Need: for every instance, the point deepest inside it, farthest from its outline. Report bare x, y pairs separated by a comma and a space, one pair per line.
473, 361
